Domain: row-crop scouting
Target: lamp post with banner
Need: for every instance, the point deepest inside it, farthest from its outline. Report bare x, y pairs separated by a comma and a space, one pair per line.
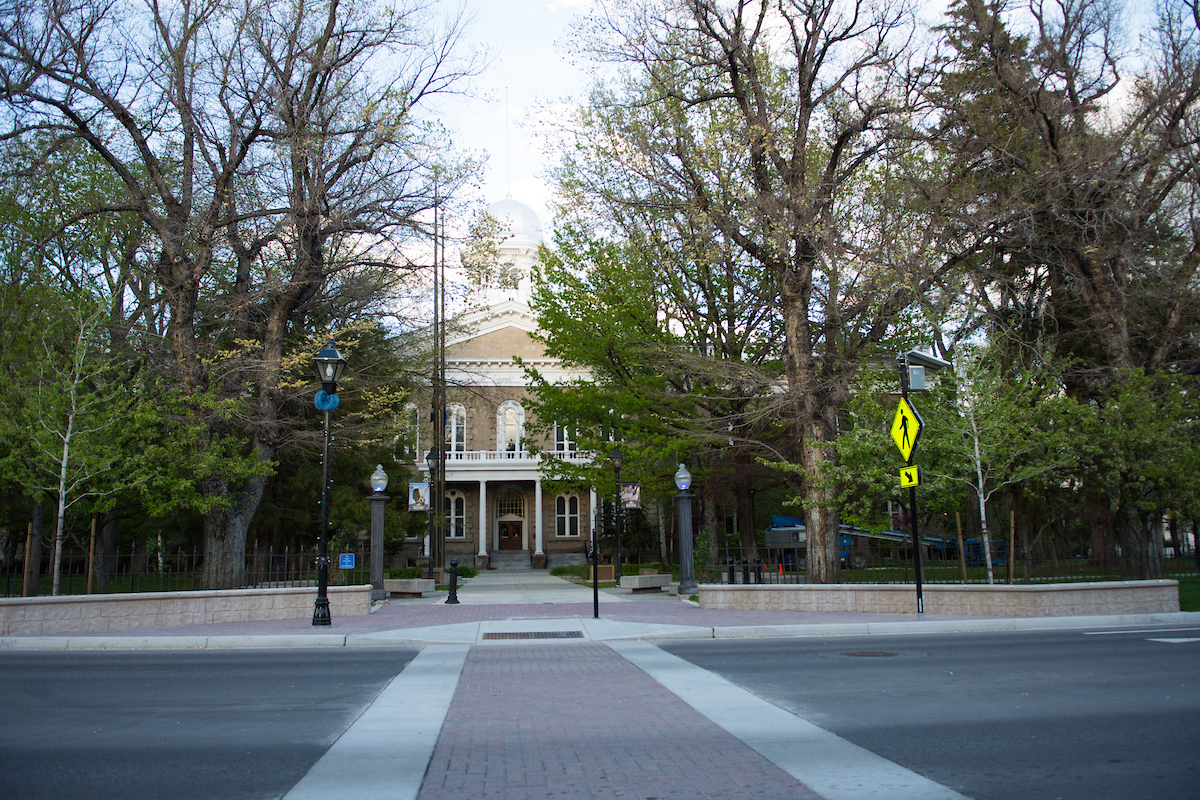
330, 366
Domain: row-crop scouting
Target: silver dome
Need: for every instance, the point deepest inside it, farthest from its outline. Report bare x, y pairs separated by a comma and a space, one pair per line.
516, 219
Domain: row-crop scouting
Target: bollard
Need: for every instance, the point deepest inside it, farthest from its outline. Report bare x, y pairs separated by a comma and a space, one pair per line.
758, 570
732, 573
452, 600
745, 570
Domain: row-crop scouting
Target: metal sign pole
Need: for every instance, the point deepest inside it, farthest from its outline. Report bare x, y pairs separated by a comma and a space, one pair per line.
912, 509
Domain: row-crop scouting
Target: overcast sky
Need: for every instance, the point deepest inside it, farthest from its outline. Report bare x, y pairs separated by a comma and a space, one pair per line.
521, 35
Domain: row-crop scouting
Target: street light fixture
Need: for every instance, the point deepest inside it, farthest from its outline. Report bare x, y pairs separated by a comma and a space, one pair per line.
379, 479
379, 482
687, 569
617, 460
330, 366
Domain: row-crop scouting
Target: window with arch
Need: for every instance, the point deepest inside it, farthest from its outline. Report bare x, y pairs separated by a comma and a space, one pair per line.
456, 431
510, 427
566, 515
456, 505
511, 503
564, 439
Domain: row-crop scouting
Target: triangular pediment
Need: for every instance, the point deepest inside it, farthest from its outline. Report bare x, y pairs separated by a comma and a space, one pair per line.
497, 344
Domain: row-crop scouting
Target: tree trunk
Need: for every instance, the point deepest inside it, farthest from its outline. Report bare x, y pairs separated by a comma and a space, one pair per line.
746, 532
104, 567
33, 556
820, 516
225, 533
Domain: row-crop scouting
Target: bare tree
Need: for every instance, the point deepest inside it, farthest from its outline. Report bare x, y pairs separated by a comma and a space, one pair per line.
769, 126
1075, 170
191, 104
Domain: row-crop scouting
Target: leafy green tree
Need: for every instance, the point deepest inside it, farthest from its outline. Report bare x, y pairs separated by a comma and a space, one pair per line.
67, 420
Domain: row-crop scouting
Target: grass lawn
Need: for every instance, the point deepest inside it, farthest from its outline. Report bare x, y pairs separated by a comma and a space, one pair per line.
1189, 593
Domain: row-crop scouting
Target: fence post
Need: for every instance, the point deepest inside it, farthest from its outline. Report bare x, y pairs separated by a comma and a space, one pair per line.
745, 570
758, 578
732, 572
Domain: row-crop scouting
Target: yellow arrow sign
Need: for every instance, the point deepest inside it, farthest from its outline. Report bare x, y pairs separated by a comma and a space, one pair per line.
910, 476
906, 429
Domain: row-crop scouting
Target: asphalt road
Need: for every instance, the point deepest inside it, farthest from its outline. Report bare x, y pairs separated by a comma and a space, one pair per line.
177, 724
1069, 715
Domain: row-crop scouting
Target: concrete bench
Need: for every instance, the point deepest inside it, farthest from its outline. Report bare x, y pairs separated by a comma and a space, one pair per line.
645, 584
407, 587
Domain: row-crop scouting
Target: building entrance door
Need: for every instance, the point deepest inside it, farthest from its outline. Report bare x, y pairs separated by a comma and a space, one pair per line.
510, 536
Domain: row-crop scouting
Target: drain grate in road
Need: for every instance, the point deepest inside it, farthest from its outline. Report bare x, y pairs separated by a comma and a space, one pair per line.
535, 635
869, 654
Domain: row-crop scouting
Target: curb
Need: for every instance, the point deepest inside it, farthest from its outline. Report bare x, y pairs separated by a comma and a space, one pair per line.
624, 632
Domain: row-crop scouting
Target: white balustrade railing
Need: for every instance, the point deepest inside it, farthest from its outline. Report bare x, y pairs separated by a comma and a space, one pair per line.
458, 457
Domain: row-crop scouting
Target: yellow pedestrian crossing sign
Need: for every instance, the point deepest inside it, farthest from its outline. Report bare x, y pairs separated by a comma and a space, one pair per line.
906, 429
910, 476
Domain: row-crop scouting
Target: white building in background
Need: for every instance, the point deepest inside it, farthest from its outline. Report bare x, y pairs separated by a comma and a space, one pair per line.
498, 512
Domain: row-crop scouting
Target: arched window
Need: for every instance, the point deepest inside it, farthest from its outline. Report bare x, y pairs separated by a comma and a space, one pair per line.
510, 426
456, 431
566, 515
456, 504
511, 503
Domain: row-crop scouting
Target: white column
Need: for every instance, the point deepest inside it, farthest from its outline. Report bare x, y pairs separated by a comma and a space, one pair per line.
483, 521
537, 516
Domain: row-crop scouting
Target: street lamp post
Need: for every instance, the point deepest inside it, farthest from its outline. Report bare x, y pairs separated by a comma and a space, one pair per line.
687, 569
330, 366
379, 482
618, 460
433, 459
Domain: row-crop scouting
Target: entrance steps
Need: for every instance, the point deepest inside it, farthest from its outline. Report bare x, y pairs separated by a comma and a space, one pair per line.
511, 560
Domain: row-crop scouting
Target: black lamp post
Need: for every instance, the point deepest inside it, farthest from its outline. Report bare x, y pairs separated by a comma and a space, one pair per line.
687, 571
617, 461
433, 460
330, 366
379, 482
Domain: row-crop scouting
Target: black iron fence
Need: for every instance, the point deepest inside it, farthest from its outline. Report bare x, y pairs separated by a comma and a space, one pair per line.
776, 566
138, 571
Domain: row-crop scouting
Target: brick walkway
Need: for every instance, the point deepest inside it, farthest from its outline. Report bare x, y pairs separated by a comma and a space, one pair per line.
579, 721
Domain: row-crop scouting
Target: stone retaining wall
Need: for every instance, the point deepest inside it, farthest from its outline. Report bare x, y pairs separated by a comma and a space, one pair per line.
953, 600
34, 616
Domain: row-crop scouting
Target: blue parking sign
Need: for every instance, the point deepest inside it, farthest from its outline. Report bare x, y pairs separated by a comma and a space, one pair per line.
346, 561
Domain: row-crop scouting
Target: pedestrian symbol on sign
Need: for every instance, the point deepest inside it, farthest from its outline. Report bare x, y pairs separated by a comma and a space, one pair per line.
906, 429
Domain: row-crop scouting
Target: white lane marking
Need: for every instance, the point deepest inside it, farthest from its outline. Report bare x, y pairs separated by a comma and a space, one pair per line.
1148, 630
826, 763
385, 752
1175, 641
